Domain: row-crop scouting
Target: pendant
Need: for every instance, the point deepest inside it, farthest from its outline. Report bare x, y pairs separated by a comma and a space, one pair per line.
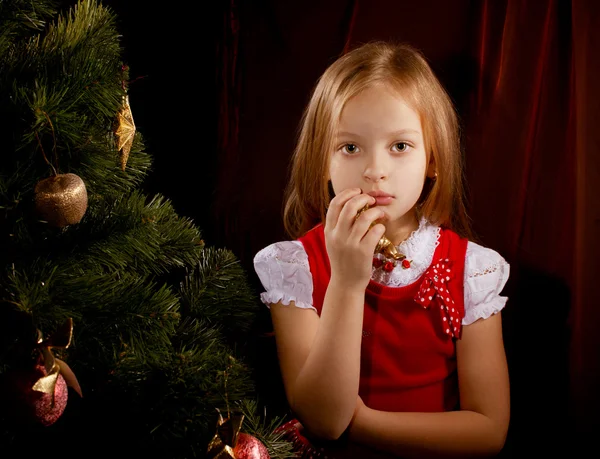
388, 250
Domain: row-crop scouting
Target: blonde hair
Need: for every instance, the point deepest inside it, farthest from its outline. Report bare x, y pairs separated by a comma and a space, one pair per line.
404, 69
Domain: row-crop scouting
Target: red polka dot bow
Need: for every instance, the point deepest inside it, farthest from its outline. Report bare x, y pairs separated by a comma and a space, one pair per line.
435, 284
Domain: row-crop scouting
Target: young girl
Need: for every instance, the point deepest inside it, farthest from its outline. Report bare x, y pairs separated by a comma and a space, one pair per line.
393, 353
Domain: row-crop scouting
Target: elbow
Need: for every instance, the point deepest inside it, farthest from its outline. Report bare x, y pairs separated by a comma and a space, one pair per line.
497, 441
334, 430
323, 424
325, 431
502, 433
494, 448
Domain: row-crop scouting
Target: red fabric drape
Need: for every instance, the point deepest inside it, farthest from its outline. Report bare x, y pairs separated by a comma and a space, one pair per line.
533, 164
531, 160
585, 141
523, 76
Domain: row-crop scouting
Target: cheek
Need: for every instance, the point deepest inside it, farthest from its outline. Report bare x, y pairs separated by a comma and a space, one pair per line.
411, 167
412, 177
339, 176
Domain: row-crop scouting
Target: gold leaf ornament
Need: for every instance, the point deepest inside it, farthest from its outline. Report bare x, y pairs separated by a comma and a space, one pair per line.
223, 443
125, 131
60, 339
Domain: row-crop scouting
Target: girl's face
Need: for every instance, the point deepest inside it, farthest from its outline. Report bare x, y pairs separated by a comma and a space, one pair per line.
380, 148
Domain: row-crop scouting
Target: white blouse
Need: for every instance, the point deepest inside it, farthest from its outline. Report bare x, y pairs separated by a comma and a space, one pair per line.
284, 272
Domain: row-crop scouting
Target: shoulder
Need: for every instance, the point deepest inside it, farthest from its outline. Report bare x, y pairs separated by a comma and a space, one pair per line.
481, 261
486, 274
284, 272
284, 252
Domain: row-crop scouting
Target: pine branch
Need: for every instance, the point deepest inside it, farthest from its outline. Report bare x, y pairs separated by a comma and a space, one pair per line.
67, 79
177, 398
132, 234
100, 169
20, 17
121, 310
217, 290
125, 232
255, 424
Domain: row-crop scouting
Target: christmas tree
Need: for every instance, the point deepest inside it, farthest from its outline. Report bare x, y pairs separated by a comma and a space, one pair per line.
118, 324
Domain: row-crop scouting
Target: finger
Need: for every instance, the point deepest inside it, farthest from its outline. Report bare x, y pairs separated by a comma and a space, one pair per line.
336, 205
365, 221
373, 235
351, 208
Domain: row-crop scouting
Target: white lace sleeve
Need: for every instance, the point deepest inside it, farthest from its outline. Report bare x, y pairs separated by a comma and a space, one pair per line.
486, 273
285, 274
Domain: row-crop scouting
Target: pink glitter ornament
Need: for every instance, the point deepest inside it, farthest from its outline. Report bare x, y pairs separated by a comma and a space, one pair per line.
45, 409
41, 407
41, 391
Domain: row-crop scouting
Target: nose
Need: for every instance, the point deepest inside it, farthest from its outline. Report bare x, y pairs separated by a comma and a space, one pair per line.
375, 169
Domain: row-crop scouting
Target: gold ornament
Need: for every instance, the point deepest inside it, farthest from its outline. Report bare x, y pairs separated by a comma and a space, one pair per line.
125, 131
61, 200
384, 246
229, 442
224, 441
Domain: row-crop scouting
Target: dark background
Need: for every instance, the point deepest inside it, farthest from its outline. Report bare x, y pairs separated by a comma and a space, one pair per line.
172, 55
217, 92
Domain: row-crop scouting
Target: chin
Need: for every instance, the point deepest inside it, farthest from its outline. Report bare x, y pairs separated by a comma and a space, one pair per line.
402, 216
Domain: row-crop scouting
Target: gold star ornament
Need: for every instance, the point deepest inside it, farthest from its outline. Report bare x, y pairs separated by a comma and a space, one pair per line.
125, 131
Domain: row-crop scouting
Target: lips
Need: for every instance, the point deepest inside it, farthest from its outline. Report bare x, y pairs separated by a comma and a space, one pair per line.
381, 197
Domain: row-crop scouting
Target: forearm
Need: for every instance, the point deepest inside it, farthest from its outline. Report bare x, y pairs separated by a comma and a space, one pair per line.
428, 435
325, 391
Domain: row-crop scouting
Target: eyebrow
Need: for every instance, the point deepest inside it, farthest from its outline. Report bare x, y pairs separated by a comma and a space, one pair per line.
391, 134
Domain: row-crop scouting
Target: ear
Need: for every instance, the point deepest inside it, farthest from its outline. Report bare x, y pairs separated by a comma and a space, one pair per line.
431, 168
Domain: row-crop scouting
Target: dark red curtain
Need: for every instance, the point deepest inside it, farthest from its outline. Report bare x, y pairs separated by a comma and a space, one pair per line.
524, 77
532, 163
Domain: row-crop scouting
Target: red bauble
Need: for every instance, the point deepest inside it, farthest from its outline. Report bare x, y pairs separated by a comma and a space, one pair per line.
38, 406
249, 447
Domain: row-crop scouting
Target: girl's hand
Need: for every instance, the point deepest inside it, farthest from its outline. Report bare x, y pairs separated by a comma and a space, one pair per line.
349, 241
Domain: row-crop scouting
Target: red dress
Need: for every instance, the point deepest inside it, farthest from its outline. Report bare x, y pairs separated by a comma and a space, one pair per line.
408, 360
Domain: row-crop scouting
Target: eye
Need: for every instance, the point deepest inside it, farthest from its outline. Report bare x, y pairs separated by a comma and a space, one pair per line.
401, 146
350, 148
